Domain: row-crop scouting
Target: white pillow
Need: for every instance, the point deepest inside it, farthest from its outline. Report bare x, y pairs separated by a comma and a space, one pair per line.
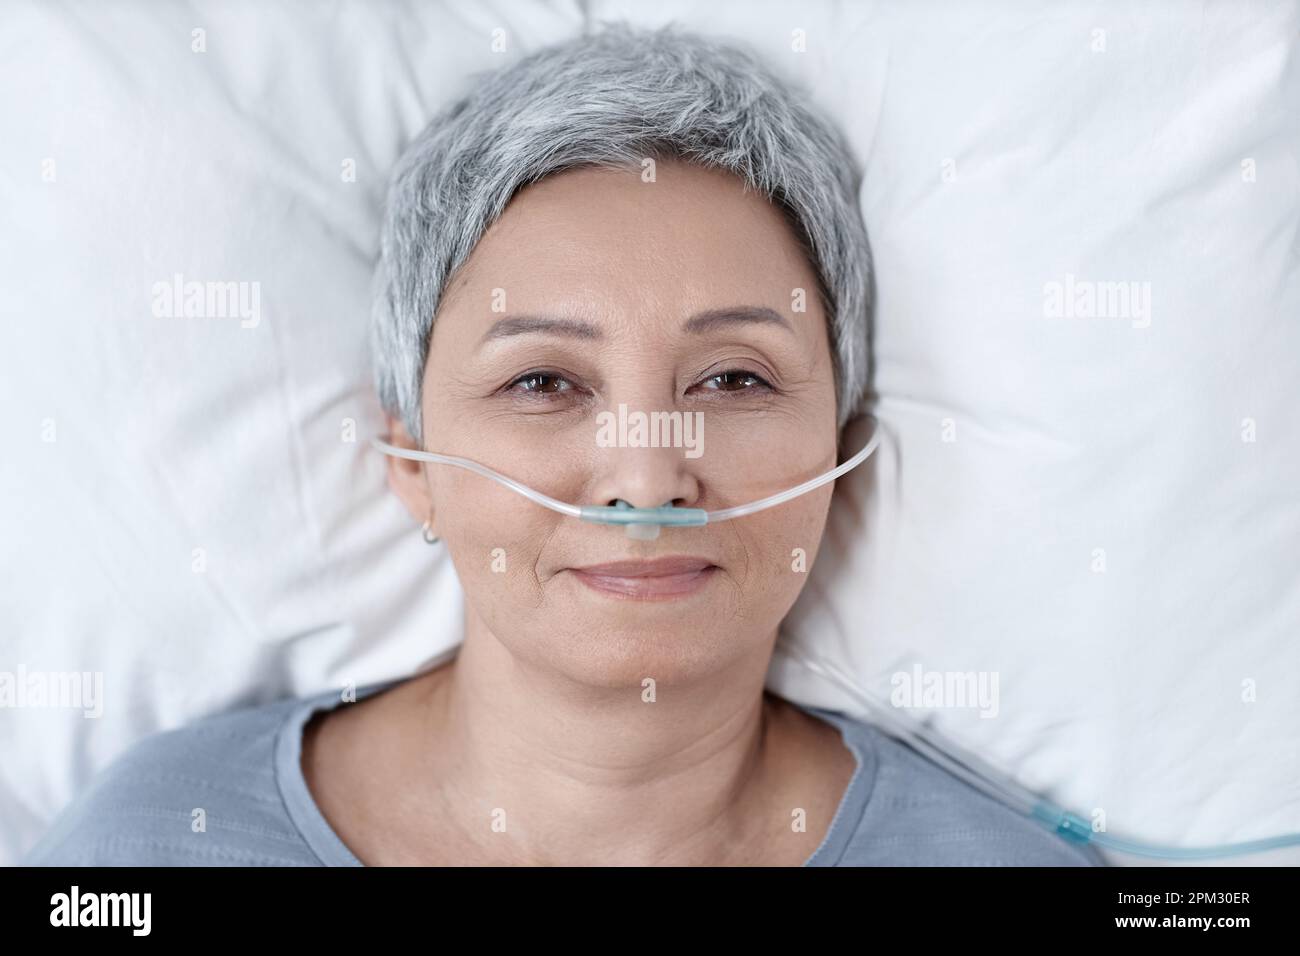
1120, 690
190, 507
1012, 163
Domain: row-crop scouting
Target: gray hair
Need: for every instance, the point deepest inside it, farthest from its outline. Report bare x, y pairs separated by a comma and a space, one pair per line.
613, 99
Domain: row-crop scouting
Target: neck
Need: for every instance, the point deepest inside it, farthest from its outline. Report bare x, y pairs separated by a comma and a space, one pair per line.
615, 771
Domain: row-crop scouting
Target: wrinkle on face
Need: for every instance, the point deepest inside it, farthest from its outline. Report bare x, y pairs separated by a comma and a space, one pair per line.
637, 260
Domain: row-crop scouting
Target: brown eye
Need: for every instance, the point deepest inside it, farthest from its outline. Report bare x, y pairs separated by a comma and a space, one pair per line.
736, 380
540, 383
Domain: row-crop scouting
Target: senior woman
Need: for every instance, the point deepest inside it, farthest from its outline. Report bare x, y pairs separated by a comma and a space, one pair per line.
646, 221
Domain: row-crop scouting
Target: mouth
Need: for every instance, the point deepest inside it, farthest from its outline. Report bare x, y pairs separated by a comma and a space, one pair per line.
648, 580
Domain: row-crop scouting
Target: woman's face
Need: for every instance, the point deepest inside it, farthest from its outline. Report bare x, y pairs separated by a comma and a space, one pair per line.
597, 289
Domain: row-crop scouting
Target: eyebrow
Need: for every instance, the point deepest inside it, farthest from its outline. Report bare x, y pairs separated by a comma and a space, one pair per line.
697, 324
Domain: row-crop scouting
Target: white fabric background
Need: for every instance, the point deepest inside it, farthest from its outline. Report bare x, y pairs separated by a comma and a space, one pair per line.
1002, 150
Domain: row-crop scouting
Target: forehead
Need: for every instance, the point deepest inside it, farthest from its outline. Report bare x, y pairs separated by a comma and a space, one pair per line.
689, 240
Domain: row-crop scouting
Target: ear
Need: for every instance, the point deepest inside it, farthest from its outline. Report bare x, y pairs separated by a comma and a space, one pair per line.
405, 477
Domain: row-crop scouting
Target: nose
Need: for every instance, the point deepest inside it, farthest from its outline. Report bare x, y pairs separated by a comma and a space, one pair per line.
644, 477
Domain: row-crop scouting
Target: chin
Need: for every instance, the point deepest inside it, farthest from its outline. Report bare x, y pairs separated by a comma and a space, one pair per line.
669, 651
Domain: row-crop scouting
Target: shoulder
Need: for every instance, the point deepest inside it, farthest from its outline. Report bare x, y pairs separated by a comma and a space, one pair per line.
921, 814
203, 794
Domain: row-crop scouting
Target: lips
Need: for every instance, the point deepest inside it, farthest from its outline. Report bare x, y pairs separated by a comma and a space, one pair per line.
649, 567
648, 579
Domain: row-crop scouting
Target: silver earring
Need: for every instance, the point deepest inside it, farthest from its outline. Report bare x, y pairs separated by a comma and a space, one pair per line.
424, 533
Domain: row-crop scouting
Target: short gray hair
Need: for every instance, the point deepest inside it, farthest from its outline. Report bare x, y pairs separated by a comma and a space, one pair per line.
614, 99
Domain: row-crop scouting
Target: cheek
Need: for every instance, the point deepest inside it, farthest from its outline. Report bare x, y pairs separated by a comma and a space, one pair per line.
774, 551
494, 537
